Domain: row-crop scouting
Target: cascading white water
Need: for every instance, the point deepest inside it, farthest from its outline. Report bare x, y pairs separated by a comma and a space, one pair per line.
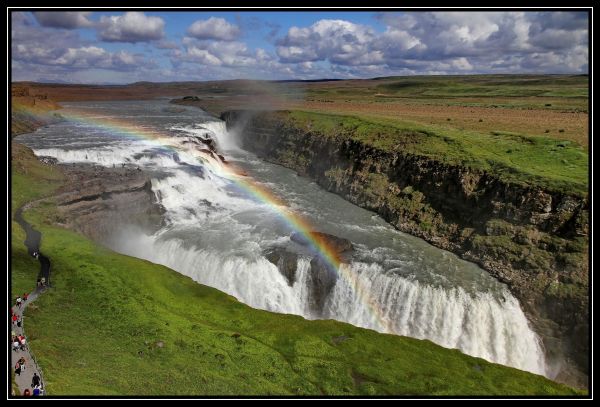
217, 235
479, 325
217, 130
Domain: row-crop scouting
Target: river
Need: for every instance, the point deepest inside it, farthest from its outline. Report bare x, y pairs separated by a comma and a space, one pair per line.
217, 233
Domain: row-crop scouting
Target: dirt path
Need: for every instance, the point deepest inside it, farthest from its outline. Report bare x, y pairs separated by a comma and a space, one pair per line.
32, 241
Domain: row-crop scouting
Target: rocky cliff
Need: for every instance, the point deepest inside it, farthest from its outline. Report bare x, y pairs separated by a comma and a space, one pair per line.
533, 239
30, 111
98, 201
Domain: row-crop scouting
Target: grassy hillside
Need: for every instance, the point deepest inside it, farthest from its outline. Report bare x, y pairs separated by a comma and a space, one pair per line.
116, 325
554, 164
30, 180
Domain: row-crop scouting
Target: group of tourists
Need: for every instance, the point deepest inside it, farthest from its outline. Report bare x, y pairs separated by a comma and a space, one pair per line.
36, 387
20, 366
19, 343
16, 320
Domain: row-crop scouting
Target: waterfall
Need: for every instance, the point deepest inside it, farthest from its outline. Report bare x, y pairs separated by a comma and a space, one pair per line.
217, 236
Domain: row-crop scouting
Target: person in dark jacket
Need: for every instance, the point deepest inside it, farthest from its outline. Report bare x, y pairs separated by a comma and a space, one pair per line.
35, 380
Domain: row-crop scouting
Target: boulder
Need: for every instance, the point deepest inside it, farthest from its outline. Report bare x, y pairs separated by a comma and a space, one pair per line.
338, 244
321, 281
285, 261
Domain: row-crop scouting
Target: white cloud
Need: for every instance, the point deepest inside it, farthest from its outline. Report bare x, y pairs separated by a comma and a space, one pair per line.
214, 28
339, 41
63, 19
451, 42
131, 27
410, 43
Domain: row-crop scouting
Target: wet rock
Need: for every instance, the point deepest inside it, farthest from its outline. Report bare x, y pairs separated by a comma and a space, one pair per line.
206, 151
321, 280
338, 244
210, 143
286, 262
48, 160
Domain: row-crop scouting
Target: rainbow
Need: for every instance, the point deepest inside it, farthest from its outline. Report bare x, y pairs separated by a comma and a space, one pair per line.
246, 184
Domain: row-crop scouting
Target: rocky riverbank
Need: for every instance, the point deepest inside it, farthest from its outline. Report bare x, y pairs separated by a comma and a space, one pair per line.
98, 201
533, 239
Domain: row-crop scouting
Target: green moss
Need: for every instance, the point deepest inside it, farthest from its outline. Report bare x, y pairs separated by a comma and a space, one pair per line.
566, 290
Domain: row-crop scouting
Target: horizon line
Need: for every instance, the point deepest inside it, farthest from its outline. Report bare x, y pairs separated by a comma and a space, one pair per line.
295, 80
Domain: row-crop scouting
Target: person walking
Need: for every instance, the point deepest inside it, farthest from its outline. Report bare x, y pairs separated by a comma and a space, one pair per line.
35, 380
27, 393
18, 369
15, 318
25, 296
22, 341
22, 363
19, 321
19, 301
36, 391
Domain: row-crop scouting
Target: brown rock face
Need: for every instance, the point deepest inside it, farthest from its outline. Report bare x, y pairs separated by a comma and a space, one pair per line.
338, 244
286, 261
98, 201
321, 281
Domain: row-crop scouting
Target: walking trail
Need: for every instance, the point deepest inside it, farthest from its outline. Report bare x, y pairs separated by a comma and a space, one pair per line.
32, 241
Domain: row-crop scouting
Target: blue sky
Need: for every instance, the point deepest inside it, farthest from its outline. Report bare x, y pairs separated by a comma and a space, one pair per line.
124, 47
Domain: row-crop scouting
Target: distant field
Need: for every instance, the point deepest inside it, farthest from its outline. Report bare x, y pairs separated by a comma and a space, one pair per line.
549, 106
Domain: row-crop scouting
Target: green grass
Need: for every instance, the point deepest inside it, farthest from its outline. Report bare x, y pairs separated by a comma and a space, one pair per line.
30, 180
545, 162
562, 92
99, 330
516, 86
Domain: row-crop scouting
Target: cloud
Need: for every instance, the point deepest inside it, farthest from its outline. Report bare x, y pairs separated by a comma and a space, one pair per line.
449, 42
63, 19
404, 43
84, 57
131, 27
342, 42
163, 44
19, 18
220, 53
65, 51
214, 28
